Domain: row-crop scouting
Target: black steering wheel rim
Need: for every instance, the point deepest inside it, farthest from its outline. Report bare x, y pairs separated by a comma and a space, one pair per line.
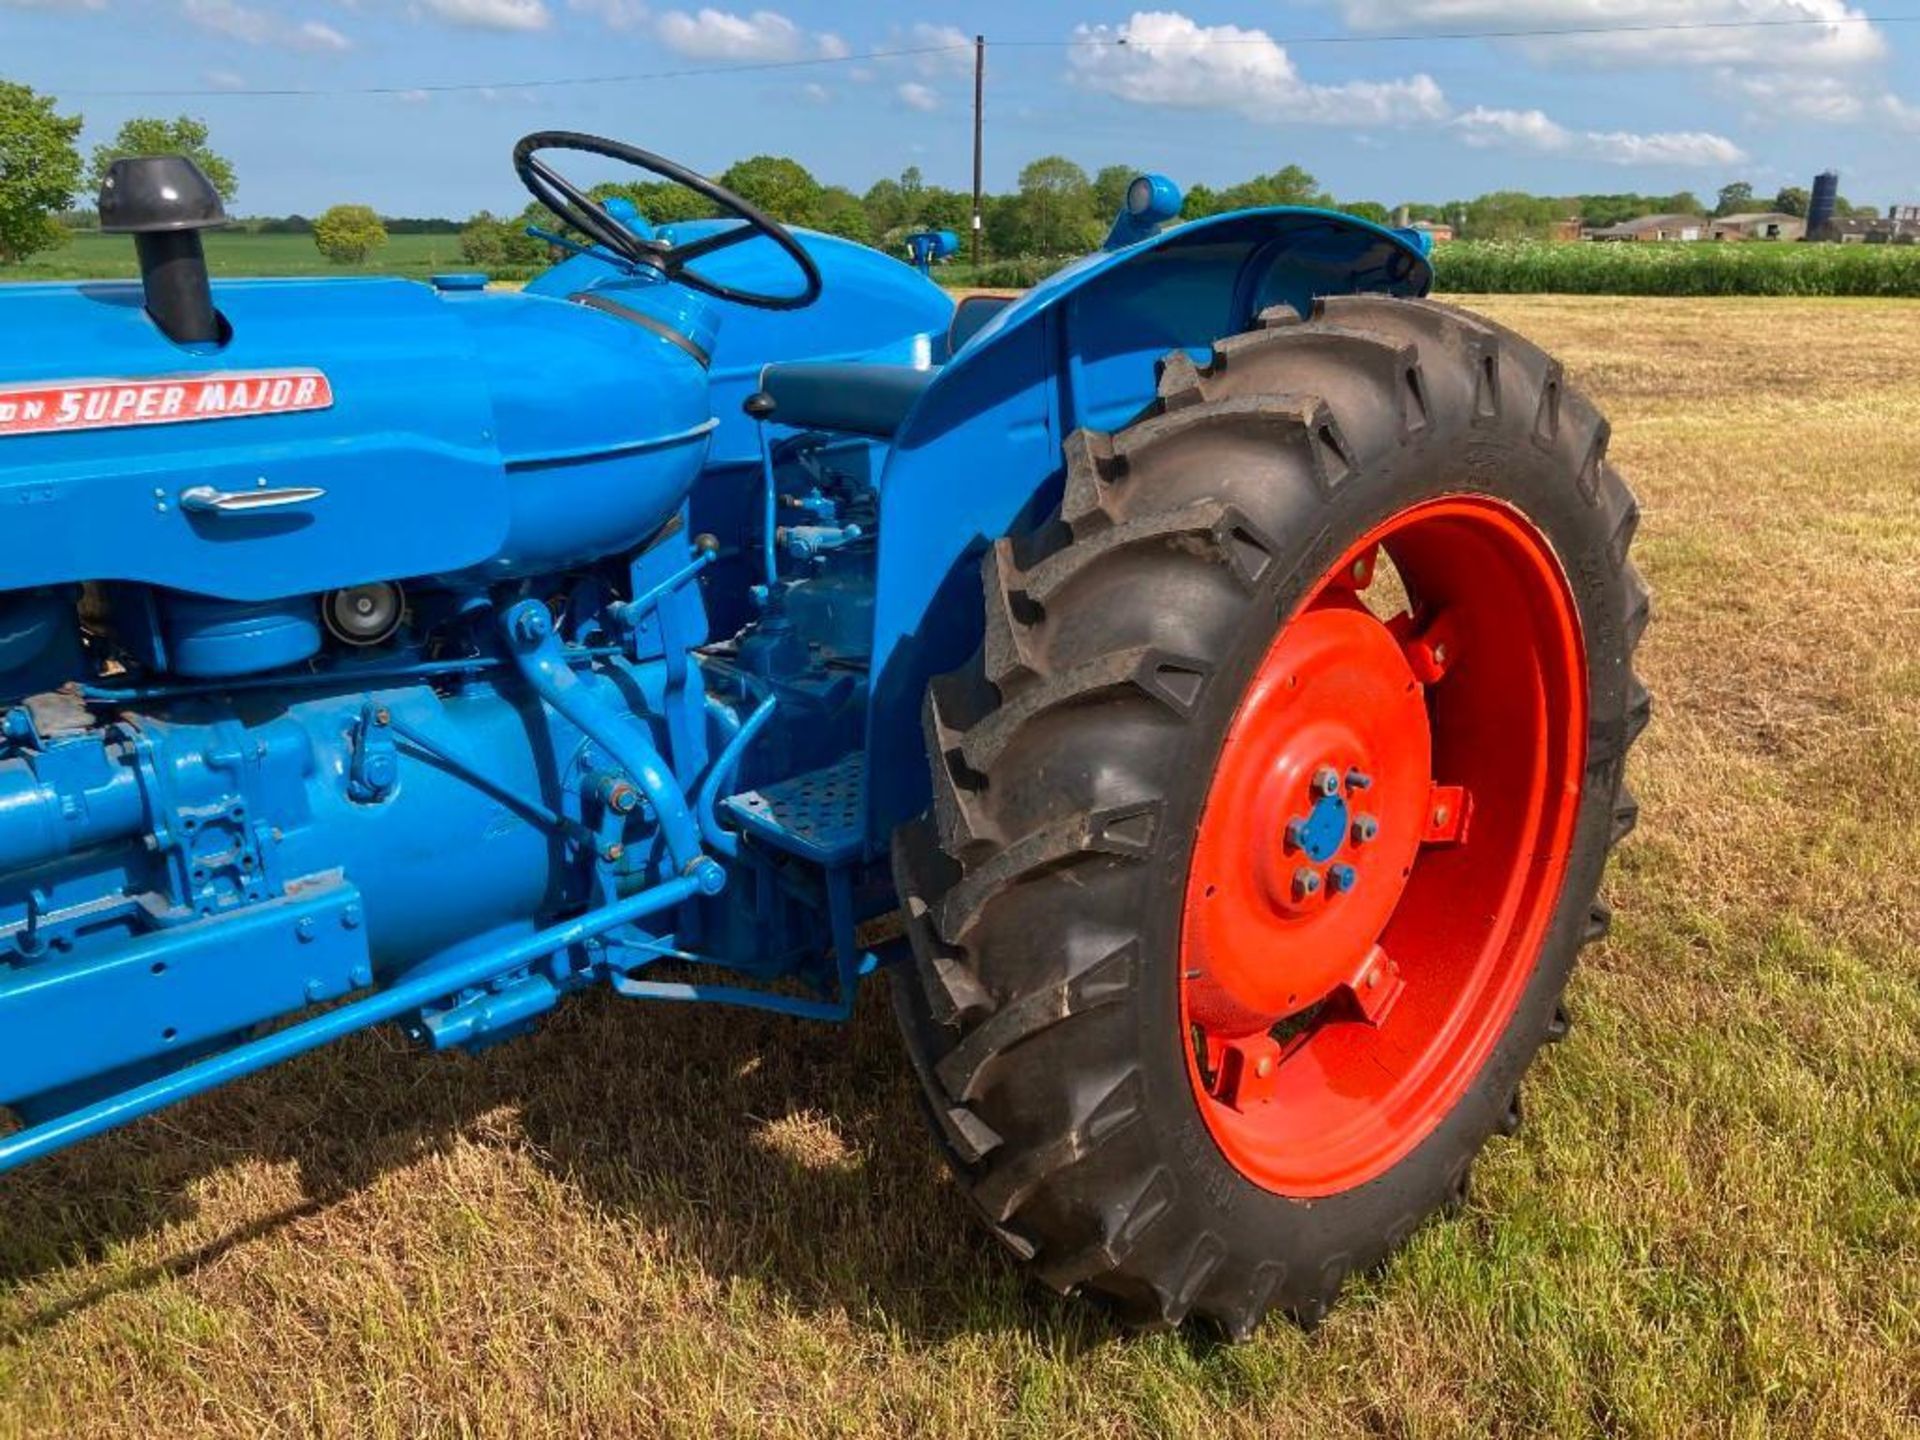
574, 207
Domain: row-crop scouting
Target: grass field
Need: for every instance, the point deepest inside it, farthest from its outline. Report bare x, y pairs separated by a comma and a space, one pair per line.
671, 1223
1516, 267
91, 256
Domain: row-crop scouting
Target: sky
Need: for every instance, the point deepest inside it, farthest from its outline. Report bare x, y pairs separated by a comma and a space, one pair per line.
413, 105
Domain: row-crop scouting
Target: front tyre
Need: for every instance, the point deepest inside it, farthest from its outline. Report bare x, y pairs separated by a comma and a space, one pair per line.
1271, 814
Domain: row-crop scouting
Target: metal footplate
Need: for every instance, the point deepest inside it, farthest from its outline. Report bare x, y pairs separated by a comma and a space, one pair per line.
819, 816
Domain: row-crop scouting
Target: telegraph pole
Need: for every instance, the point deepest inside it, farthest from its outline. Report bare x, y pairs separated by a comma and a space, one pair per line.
979, 98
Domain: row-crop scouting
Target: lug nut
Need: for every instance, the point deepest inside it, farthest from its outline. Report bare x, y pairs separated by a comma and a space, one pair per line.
1365, 829
1358, 779
1326, 781
1343, 878
1306, 882
1296, 834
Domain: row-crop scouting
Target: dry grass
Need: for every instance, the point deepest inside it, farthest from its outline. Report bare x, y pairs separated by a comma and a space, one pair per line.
675, 1223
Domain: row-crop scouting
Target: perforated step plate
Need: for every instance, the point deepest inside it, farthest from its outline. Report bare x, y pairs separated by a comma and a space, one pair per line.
819, 816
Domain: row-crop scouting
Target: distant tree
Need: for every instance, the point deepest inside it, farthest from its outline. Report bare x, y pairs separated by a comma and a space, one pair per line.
1056, 214
886, 206
783, 188
1683, 203
1793, 200
348, 234
662, 201
1368, 210
39, 171
182, 135
1202, 200
1110, 189
841, 213
937, 208
1513, 215
1735, 199
1289, 186
488, 242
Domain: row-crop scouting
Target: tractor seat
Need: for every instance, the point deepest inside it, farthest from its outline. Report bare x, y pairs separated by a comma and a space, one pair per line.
838, 395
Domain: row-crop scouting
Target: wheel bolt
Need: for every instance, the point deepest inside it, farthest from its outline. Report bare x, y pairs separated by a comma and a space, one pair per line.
1365, 829
1358, 779
1306, 882
1343, 878
1296, 834
1326, 781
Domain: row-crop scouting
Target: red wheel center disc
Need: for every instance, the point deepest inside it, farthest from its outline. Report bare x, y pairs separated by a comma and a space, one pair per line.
1383, 848
1335, 697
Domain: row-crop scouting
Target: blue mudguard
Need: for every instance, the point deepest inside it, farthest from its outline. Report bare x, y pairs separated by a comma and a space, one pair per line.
981, 451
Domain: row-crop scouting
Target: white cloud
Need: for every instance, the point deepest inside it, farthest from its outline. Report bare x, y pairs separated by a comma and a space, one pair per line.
413, 97
54, 4
1483, 128
1534, 130
815, 93
1838, 38
832, 47
225, 80
312, 35
1900, 113
916, 96
1164, 58
949, 49
722, 35
614, 14
494, 14
1820, 96
262, 27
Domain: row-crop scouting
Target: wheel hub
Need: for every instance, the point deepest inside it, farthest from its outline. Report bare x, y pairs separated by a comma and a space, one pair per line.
1290, 899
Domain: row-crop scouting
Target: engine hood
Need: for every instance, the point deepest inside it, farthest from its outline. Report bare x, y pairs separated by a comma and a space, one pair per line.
417, 416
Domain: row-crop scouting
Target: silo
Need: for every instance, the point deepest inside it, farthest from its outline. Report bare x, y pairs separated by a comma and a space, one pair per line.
1826, 198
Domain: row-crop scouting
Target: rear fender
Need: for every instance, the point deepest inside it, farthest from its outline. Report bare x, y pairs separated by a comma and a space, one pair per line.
980, 454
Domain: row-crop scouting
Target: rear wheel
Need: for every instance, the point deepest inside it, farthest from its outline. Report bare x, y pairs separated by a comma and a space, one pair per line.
1271, 814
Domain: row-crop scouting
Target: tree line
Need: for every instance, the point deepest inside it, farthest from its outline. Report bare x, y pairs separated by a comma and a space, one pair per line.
1056, 209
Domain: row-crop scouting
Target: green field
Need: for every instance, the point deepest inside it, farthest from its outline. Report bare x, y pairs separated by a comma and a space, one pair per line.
91, 256
1465, 267
669, 1222
1700, 270
1527, 267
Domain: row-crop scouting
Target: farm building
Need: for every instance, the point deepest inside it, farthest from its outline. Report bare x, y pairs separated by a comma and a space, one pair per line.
1655, 227
1766, 225
1870, 230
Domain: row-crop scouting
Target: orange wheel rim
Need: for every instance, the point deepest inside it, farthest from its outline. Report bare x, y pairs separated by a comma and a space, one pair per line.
1383, 848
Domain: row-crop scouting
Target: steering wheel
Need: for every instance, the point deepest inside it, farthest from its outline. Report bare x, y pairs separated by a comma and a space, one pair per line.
587, 215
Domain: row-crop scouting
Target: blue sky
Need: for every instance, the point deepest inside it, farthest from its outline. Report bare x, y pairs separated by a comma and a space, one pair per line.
1206, 91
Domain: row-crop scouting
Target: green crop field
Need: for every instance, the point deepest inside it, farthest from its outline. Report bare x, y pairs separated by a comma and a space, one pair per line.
1476, 267
661, 1222
1704, 269
1526, 267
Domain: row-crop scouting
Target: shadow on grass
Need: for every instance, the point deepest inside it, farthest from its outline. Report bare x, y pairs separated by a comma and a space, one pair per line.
790, 1155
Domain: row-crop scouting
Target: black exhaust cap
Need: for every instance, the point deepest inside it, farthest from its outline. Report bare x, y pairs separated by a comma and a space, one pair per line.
164, 202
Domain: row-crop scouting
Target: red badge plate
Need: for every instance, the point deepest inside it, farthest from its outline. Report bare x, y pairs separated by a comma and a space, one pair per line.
63, 405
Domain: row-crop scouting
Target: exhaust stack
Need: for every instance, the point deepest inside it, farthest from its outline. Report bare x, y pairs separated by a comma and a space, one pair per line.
164, 202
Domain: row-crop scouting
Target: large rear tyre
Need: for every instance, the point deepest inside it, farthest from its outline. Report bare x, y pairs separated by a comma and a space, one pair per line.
1248, 894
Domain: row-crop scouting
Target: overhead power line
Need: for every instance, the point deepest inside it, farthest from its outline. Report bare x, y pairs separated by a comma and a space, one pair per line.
1077, 42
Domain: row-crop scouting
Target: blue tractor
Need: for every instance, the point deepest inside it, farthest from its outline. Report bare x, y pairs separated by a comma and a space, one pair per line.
1203, 683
